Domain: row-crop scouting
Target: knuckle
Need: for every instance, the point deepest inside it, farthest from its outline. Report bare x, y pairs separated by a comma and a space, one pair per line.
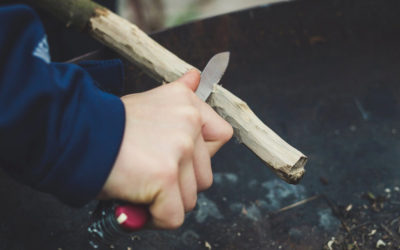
169, 173
191, 115
184, 144
183, 93
181, 90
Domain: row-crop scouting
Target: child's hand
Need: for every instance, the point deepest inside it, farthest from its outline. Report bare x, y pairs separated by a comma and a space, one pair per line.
164, 159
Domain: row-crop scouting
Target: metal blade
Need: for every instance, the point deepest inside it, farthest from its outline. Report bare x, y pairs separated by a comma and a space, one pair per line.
212, 74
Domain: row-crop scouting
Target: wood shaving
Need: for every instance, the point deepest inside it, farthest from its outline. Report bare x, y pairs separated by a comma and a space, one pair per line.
380, 243
206, 244
330, 243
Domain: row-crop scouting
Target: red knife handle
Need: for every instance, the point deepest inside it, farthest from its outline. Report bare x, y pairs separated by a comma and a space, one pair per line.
131, 217
114, 219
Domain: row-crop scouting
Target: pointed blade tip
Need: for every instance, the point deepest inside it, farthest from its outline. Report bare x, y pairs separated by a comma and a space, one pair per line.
225, 54
212, 74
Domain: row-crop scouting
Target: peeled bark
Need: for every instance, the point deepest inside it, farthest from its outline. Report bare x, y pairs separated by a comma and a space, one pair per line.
133, 44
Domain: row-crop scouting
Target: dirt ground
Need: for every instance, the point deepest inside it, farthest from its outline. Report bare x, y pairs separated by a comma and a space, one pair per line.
325, 76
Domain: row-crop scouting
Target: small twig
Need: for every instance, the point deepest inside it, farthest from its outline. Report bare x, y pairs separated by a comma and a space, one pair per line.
395, 220
361, 225
386, 229
395, 237
345, 226
299, 203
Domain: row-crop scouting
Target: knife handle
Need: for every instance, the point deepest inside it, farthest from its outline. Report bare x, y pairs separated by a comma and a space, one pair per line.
132, 43
113, 219
132, 217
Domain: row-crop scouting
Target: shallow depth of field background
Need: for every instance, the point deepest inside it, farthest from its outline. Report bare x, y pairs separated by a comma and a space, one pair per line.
152, 15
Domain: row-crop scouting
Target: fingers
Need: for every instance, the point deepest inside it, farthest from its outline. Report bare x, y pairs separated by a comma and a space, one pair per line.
213, 147
191, 79
173, 134
202, 165
167, 210
187, 181
171, 203
216, 131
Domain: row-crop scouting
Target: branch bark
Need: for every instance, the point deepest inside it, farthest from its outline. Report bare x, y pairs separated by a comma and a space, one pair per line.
133, 44
73, 13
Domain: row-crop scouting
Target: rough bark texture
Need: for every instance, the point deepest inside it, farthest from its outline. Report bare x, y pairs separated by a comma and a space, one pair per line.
286, 161
74, 13
132, 43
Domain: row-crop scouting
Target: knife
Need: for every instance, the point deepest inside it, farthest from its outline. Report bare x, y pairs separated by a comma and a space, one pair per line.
212, 74
132, 217
135, 45
113, 219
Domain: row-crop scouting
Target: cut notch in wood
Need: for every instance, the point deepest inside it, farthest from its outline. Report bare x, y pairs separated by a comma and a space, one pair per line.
133, 44
286, 161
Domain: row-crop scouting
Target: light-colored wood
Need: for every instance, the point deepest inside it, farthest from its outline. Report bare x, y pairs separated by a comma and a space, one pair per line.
286, 161
133, 44
128, 40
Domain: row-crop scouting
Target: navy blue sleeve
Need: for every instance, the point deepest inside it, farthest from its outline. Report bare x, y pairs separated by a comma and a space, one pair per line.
108, 74
59, 133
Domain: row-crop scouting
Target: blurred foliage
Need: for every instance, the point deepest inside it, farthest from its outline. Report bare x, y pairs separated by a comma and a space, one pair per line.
185, 16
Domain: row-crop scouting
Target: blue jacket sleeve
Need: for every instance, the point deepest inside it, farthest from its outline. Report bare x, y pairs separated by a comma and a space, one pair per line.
108, 74
59, 133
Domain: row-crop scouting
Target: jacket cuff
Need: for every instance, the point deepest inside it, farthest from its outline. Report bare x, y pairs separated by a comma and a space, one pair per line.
108, 74
91, 148
102, 151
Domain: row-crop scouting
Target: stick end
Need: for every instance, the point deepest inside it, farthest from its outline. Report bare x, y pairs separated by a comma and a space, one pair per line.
293, 174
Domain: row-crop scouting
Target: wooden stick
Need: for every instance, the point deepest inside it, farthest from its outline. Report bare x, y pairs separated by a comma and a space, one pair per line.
299, 203
133, 44
286, 161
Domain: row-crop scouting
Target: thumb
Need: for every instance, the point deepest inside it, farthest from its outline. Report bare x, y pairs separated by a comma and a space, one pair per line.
191, 79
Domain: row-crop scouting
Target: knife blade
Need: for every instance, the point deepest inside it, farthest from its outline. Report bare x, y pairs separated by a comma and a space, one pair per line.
212, 74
